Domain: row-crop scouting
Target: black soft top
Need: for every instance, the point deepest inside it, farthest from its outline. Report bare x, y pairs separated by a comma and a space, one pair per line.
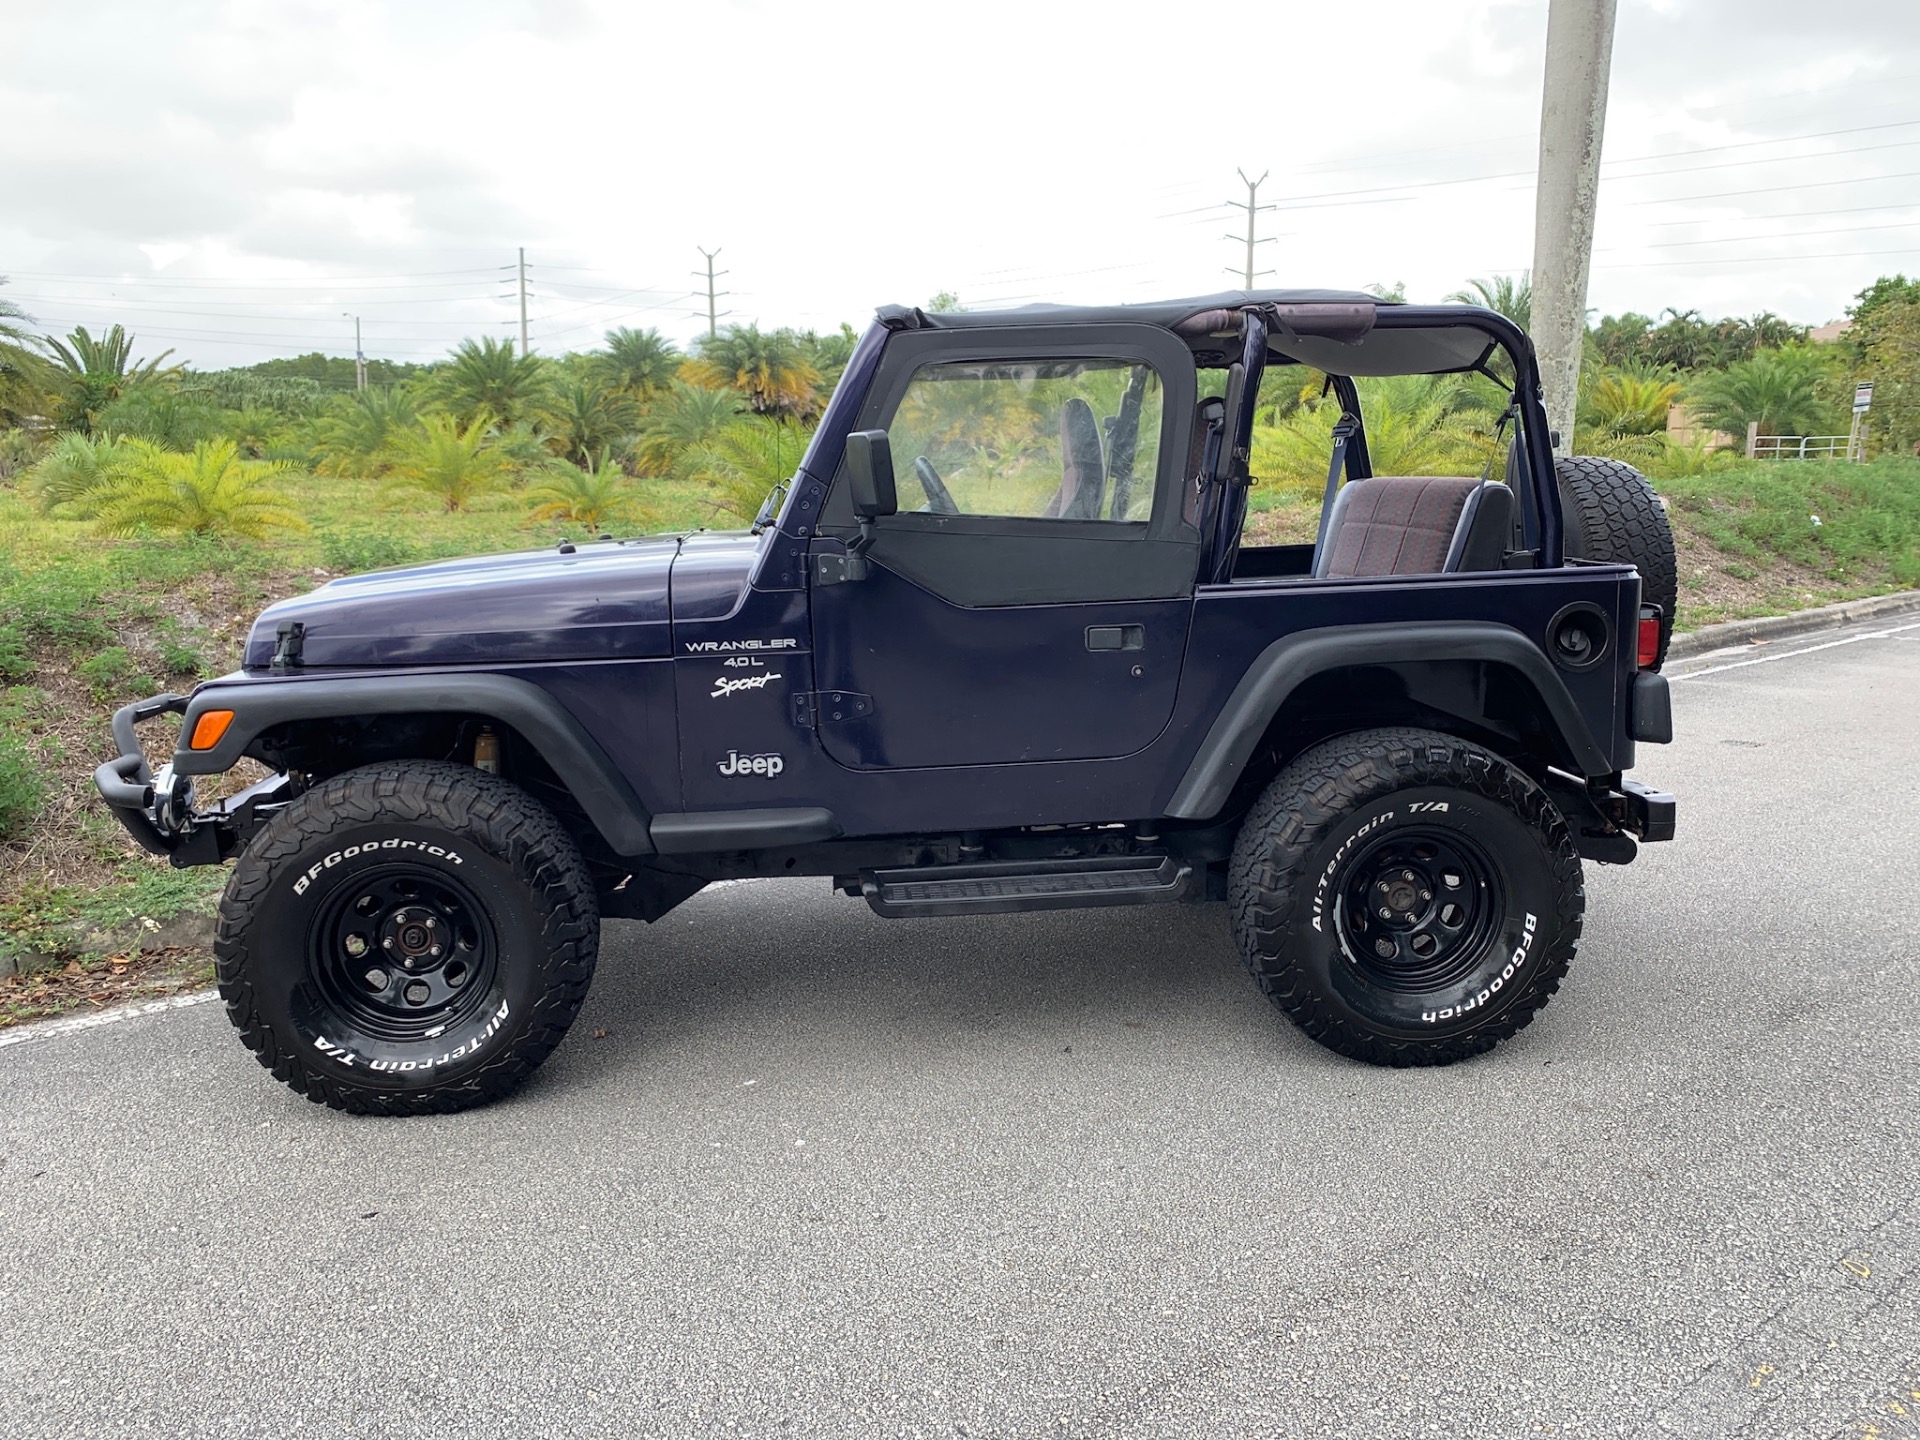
1153, 312
1340, 332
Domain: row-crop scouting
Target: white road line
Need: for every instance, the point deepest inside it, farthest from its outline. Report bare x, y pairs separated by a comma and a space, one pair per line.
1789, 654
54, 1029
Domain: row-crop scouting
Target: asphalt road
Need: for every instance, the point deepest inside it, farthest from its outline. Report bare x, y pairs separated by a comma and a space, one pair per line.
1062, 1175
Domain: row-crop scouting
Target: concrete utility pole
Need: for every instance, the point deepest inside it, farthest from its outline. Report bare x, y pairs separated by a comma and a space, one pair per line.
1573, 122
713, 296
1253, 192
359, 355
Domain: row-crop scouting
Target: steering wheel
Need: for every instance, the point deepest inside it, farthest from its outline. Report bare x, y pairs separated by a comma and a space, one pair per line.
939, 499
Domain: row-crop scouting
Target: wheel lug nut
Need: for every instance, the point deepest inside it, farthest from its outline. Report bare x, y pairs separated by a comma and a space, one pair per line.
388, 942
1385, 913
435, 950
1426, 894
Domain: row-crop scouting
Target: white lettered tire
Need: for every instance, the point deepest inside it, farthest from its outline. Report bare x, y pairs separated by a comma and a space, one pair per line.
407, 938
1406, 897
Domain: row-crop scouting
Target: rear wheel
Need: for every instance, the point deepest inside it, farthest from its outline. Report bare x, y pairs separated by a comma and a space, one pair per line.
407, 938
1611, 513
1406, 897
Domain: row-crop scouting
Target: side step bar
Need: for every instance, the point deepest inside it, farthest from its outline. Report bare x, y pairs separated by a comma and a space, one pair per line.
996, 887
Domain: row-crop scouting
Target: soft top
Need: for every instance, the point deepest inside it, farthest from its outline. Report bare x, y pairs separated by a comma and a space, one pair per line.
1153, 312
1341, 332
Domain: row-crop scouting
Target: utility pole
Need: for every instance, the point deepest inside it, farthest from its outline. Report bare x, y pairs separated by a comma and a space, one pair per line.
713, 296
359, 355
523, 302
519, 268
1573, 122
1248, 205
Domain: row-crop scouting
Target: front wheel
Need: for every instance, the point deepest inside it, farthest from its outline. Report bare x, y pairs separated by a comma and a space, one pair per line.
407, 938
1406, 897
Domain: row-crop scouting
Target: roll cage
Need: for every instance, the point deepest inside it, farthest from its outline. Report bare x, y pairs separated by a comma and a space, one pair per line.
1342, 334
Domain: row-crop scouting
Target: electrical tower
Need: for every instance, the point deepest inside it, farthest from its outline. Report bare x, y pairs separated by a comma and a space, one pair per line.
713, 296
521, 287
1252, 209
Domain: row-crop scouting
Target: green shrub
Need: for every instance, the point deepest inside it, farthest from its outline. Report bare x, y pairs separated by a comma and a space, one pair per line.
112, 676
353, 551
23, 784
15, 663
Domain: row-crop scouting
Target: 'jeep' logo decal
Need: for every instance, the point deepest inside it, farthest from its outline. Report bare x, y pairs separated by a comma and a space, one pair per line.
738, 764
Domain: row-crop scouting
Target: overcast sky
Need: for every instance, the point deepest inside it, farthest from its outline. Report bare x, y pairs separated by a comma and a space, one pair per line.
229, 178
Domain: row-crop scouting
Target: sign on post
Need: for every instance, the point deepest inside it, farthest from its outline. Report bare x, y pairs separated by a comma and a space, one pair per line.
1862, 397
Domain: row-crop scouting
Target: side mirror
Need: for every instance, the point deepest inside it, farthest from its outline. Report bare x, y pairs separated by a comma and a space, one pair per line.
870, 474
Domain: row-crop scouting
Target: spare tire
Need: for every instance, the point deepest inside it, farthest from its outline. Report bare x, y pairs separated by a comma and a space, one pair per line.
1611, 513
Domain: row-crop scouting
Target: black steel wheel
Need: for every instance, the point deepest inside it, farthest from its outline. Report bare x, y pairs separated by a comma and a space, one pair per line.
407, 938
404, 952
1406, 897
1417, 909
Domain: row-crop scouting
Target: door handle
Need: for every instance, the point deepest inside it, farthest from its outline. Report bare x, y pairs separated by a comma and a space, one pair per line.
1116, 637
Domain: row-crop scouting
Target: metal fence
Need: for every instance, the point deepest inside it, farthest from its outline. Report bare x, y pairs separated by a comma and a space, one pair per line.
1806, 447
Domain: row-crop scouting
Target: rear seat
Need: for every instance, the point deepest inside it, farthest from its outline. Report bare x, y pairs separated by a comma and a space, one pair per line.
1415, 525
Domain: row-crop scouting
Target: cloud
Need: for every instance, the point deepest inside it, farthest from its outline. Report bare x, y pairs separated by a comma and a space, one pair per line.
240, 172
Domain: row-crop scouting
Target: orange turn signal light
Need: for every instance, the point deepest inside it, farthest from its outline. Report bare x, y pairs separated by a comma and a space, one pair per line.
208, 729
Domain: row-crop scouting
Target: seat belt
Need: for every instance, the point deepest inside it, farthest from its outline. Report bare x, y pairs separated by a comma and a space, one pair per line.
1344, 430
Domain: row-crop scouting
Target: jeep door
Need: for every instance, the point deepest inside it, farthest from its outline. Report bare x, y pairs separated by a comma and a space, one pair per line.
1030, 600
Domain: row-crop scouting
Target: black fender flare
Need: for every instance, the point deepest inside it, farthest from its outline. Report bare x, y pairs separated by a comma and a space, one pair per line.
602, 791
1288, 662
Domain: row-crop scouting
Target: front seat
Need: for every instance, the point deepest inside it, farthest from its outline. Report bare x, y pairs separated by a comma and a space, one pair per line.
1083, 465
1415, 525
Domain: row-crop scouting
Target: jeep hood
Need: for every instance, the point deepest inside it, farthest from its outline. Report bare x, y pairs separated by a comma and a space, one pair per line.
602, 601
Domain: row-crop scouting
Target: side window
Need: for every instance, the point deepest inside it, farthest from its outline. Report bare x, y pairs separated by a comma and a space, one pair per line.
1037, 439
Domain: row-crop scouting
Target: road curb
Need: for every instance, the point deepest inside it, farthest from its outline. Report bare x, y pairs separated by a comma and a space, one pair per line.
1780, 627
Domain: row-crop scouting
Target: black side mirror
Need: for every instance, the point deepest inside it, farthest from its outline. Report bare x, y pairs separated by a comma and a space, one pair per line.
870, 474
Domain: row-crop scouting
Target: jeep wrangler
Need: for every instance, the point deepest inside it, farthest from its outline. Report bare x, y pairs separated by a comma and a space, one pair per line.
1005, 641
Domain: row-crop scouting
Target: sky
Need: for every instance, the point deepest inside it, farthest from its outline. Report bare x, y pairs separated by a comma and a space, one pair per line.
237, 180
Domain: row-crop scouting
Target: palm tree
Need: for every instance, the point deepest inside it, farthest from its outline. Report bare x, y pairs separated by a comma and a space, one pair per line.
1779, 389
211, 491
638, 361
77, 468
585, 414
1510, 295
23, 374
1622, 402
91, 374
770, 369
684, 415
742, 463
486, 375
1414, 426
595, 496
351, 437
450, 463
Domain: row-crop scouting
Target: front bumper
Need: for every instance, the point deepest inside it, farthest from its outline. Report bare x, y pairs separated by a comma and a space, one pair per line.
157, 808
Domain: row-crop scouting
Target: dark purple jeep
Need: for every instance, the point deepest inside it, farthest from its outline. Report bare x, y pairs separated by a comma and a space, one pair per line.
1003, 642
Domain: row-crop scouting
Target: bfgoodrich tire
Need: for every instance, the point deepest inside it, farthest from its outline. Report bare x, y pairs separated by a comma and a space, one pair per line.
1611, 513
1405, 897
407, 938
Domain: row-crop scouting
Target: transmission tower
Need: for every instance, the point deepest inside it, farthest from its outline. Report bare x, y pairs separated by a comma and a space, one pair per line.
713, 296
1252, 209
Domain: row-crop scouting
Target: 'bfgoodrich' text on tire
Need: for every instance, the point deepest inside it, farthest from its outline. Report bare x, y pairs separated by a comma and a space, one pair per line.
1406, 897
407, 938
